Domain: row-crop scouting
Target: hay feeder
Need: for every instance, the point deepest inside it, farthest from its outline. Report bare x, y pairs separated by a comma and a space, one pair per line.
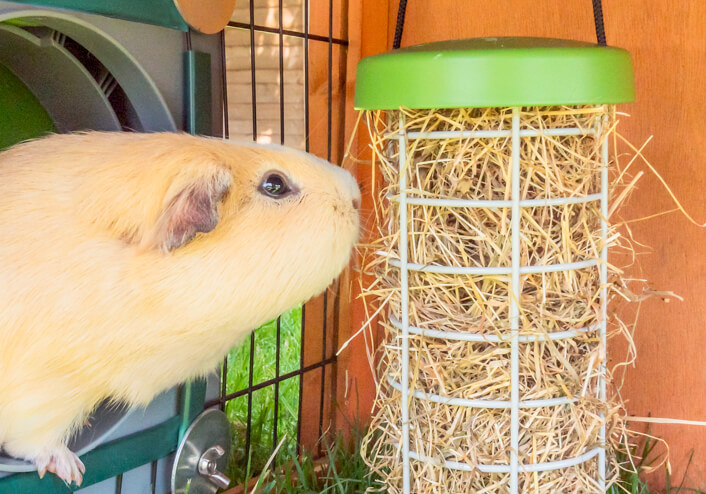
492, 261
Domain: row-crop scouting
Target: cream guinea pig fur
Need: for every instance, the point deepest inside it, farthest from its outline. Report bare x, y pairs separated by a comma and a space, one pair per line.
132, 262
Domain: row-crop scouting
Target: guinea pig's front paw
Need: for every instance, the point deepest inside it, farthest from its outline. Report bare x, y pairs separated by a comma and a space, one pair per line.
64, 463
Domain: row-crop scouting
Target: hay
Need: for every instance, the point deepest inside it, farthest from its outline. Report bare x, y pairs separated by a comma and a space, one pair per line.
480, 169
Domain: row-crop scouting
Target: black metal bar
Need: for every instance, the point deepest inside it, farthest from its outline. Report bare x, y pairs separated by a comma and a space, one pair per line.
329, 124
153, 478
306, 148
288, 32
275, 439
226, 135
334, 368
330, 84
300, 406
187, 39
281, 84
224, 385
119, 484
323, 378
270, 382
252, 70
249, 391
226, 119
253, 81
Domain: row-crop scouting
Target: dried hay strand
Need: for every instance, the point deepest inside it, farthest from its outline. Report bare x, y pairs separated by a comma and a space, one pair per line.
474, 168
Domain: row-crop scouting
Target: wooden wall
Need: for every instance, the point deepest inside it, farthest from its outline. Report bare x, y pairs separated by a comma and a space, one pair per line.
238, 58
668, 43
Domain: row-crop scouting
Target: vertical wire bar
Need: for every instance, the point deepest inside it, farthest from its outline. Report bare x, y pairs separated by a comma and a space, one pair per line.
330, 77
306, 148
275, 438
306, 75
604, 307
300, 408
248, 423
252, 70
226, 135
281, 76
224, 385
404, 282
187, 39
253, 82
153, 477
224, 81
328, 158
323, 376
514, 306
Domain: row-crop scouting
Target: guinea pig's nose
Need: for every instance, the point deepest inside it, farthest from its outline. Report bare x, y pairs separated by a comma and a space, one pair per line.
356, 203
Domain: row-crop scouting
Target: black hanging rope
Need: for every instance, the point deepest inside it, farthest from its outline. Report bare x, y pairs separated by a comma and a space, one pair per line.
400, 24
598, 20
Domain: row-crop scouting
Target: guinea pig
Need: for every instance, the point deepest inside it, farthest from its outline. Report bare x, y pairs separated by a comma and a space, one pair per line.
132, 262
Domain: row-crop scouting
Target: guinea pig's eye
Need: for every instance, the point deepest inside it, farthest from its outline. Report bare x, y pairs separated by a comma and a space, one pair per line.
275, 185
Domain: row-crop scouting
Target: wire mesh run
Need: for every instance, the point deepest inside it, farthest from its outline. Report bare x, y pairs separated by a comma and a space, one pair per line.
285, 78
493, 260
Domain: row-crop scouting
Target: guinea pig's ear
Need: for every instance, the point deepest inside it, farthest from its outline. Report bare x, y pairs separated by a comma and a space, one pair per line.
189, 207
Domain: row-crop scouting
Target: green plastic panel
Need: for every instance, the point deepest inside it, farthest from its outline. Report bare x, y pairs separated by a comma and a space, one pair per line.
157, 12
193, 399
197, 87
21, 115
197, 116
483, 72
104, 462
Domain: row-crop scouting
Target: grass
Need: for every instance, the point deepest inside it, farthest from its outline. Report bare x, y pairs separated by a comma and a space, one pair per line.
263, 401
343, 471
643, 454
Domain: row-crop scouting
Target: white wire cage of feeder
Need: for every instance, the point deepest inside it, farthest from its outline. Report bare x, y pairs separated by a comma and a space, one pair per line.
492, 256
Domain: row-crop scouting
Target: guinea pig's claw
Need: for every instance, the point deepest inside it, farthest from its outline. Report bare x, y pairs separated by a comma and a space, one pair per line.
65, 464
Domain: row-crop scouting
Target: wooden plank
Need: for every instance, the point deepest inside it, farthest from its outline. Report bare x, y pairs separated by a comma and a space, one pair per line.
368, 24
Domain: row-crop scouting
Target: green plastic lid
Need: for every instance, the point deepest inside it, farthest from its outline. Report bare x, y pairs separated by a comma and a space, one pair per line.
482, 72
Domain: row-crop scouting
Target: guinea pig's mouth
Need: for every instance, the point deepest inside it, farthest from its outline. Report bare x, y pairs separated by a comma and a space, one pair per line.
354, 218
352, 210
349, 222
352, 215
